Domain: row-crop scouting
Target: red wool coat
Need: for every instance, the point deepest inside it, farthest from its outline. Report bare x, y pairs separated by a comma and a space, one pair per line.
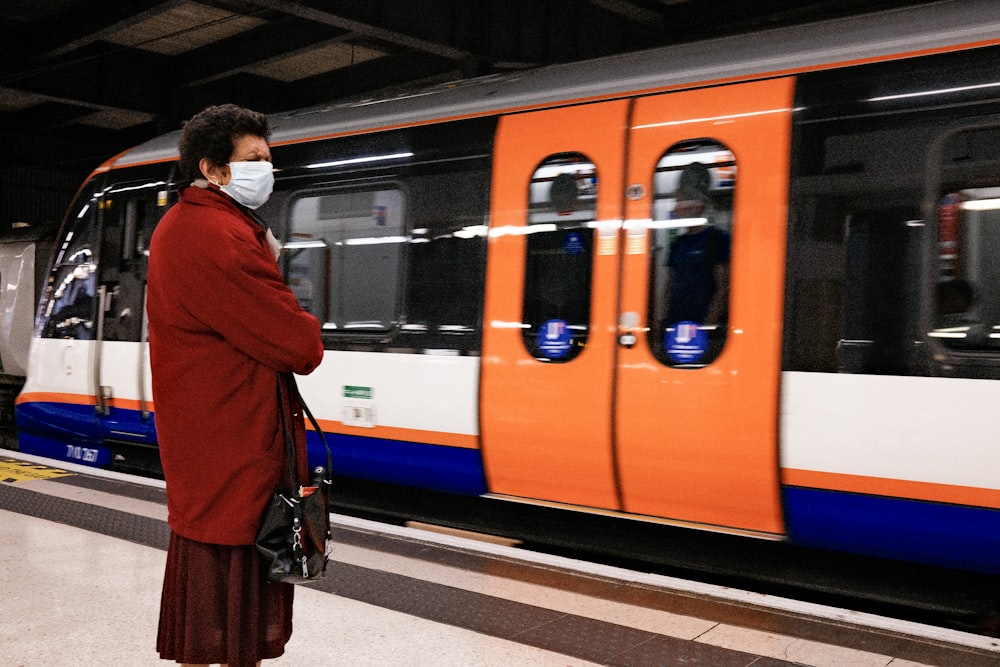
222, 327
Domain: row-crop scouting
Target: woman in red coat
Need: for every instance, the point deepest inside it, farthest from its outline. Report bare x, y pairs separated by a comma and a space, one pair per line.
223, 327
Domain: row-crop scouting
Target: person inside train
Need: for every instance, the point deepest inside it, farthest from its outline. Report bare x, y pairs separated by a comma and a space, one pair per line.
223, 330
698, 260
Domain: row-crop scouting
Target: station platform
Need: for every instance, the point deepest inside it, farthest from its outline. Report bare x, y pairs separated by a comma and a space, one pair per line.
82, 556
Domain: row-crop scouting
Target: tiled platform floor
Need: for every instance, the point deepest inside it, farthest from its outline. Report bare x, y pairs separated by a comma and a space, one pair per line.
81, 561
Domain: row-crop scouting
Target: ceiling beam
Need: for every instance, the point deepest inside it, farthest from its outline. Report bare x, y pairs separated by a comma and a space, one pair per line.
110, 25
318, 15
261, 45
631, 11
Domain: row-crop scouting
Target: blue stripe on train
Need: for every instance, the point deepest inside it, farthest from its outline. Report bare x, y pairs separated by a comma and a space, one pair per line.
955, 536
79, 451
435, 467
76, 433
82, 424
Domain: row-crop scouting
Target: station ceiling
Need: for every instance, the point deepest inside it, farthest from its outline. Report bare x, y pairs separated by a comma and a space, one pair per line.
82, 80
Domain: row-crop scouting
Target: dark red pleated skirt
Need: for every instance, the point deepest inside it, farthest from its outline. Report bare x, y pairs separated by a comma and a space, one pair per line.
218, 607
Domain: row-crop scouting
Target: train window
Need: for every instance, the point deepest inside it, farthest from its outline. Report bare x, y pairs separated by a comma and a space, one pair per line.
967, 292
882, 252
427, 206
70, 306
889, 160
344, 257
689, 253
127, 214
557, 282
447, 261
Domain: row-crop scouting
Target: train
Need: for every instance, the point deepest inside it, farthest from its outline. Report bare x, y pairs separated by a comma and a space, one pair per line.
493, 263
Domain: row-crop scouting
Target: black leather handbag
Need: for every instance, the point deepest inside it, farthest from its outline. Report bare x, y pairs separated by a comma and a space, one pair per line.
294, 537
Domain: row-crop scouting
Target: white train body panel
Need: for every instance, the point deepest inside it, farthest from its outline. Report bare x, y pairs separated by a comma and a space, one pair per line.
418, 392
931, 430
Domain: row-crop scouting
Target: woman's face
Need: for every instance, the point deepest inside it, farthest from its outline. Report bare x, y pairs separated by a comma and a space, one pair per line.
250, 148
247, 148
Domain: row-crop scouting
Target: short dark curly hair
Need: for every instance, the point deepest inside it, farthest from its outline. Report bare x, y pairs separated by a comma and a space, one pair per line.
212, 134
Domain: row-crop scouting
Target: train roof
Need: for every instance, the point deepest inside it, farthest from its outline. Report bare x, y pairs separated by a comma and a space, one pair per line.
898, 33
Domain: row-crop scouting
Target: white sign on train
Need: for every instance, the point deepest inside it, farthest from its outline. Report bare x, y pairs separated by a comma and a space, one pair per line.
85, 454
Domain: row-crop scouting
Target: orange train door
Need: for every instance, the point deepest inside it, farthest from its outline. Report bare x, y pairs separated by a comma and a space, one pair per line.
698, 441
553, 263
582, 402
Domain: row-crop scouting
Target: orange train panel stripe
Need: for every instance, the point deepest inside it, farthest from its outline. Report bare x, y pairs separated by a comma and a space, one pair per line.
459, 440
55, 397
546, 427
701, 445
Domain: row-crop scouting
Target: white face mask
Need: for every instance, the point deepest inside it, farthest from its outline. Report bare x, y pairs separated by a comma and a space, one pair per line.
250, 183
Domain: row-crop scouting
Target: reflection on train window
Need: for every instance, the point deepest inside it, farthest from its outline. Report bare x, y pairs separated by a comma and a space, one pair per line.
127, 214
865, 292
70, 307
417, 286
344, 256
557, 281
967, 292
691, 232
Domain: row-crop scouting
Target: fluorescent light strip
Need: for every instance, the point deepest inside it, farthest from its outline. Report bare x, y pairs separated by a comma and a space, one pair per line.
980, 205
359, 160
925, 93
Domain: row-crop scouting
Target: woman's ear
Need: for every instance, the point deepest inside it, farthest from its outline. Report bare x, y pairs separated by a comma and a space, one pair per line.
217, 174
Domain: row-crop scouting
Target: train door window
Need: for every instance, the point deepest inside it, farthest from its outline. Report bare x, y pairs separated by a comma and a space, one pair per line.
967, 290
558, 264
70, 307
691, 234
127, 214
344, 257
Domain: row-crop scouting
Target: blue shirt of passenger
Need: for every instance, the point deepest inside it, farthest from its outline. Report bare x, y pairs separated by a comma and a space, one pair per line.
692, 261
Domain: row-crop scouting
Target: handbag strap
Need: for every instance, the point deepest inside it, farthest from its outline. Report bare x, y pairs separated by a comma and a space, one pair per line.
291, 451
